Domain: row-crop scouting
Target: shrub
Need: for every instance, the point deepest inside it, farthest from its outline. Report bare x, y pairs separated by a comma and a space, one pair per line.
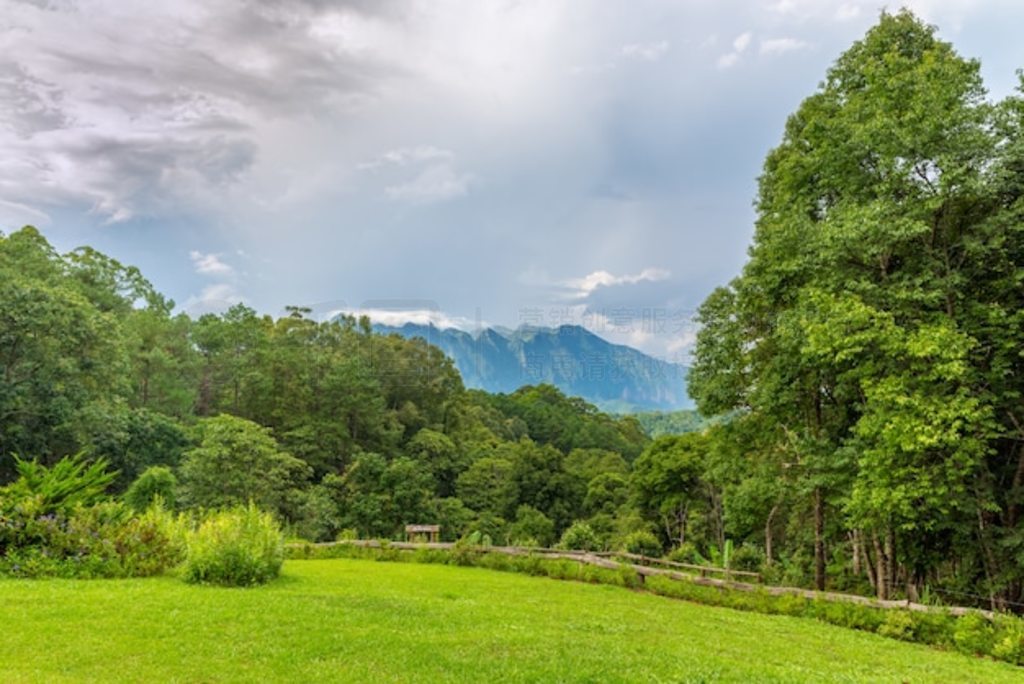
1009, 640
643, 543
898, 624
70, 483
239, 546
579, 537
974, 634
748, 558
157, 482
687, 553
104, 540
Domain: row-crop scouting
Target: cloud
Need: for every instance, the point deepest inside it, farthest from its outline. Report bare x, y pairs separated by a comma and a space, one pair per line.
739, 45
580, 288
741, 42
215, 298
14, 215
650, 52
418, 316
847, 11
404, 156
727, 60
209, 264
436, 183
780, 46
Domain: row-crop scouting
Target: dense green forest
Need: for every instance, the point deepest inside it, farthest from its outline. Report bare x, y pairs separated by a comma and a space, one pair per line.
329, 425
868, 359
658, 423
872, 348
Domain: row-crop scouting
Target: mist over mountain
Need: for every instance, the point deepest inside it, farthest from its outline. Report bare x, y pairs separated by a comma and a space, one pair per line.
612, 376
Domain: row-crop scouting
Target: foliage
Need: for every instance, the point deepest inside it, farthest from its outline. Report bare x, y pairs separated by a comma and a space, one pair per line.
869, 351
643, 543
659, 423
238, 546
157, 483
102, 540
68, 484
579, 537
237, 461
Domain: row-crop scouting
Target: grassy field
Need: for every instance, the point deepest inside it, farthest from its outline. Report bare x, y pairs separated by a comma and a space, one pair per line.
347, 620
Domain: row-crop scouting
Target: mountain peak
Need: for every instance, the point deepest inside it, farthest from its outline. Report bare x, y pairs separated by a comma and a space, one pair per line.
576, 360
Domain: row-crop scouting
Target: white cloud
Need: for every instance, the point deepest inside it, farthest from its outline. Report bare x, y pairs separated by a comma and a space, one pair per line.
847, 11
780, 46
436, 183
14, 215
399, 317
784, 6
728, 60
213, 299
739, 45
650, 52
582, 287
405, 156
741, 42
209, 264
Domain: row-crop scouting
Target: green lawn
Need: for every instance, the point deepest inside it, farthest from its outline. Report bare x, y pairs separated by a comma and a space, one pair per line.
347, 620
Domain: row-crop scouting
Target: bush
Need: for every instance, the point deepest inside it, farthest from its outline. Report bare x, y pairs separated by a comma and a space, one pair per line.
898, 624
1009, 642
239, 546
104, 540
579, 537
974, 634
157, 482
643, 543
687, 553
748, 558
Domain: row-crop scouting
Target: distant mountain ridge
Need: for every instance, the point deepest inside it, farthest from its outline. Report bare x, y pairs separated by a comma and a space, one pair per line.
612, 376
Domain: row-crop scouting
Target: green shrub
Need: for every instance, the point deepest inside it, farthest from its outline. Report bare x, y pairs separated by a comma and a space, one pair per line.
579, 537
686, 553
103, 540
156, 483
974, 634
236, 547
1009, 640
748, 558
898, 624
72, 482
643, 543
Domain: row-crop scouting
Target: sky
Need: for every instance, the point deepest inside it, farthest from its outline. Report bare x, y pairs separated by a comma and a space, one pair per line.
482, 162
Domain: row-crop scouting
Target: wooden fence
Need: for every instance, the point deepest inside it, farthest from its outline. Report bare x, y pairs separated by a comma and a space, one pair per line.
644, 567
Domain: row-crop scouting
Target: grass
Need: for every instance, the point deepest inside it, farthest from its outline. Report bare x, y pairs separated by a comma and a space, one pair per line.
361, 621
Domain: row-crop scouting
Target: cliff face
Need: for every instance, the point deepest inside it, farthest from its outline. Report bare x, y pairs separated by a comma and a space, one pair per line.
570, 357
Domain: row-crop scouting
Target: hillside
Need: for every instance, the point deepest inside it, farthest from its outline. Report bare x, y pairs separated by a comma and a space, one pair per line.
346, 620
613, 377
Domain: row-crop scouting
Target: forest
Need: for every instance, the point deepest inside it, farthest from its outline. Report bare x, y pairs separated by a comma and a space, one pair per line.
861, 378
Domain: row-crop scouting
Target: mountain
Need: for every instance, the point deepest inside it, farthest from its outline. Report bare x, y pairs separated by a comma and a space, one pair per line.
612, 376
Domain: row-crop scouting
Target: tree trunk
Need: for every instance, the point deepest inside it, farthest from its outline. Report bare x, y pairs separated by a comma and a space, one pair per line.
869, 567
855, 542
768, 536
890, 559
819, 541
881, 570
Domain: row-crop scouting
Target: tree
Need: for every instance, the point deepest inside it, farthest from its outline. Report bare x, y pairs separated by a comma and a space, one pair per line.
237, 461
666, 482
156, 482
487, 486
869, 330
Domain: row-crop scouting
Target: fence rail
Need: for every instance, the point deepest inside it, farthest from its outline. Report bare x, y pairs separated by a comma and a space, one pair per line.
698, 574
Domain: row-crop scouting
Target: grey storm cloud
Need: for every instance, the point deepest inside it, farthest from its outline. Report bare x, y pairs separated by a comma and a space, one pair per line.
126, 108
